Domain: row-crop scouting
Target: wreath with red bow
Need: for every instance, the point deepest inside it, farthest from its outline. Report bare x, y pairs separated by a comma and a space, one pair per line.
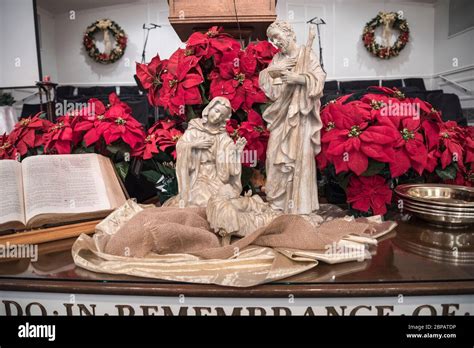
107, 26
378, 50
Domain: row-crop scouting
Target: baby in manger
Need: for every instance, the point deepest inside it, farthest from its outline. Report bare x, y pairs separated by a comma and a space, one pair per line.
230, 214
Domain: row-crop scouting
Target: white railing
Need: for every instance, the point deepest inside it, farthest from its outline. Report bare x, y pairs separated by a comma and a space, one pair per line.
457, 82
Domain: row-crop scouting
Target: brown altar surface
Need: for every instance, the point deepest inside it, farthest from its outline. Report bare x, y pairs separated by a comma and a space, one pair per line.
416, 259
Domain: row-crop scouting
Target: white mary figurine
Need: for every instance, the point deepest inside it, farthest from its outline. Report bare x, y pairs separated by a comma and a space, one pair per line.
207, 158
294, 81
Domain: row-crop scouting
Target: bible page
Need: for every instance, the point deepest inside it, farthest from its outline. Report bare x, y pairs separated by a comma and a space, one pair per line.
63, 184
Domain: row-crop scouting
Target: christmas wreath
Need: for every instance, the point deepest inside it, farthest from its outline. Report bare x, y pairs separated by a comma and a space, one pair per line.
113, 51
389, 21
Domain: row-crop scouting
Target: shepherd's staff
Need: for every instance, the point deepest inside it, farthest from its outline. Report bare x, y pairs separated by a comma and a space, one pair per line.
319, 21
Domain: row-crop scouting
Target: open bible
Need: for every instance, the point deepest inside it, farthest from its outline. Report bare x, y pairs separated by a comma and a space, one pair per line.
57, 189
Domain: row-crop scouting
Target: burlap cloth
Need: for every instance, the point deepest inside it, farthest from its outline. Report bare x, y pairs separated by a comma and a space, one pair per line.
178, 244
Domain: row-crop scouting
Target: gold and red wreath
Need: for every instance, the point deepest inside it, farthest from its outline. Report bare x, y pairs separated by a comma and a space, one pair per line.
378, 50
119, 46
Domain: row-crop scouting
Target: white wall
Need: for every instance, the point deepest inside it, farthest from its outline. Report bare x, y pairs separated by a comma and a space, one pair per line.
429, 51
19, 64
452, 54
75, 67
345, 56
2, 42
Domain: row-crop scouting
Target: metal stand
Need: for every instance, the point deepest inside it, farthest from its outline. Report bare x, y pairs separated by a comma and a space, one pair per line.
147, 28
151, 26
46, 88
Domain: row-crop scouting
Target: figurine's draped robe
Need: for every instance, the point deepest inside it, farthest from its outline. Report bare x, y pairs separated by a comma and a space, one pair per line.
294, 123
201, 172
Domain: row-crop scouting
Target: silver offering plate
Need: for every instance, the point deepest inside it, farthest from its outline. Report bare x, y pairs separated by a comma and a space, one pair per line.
440, 204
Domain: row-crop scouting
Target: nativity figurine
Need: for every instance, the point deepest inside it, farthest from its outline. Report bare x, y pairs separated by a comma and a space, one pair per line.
294, 82
230, 214
207, 157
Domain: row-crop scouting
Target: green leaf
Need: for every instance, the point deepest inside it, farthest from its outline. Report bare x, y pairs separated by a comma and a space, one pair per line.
374, 168
40, 150
246, 175
122, 169
343, 179
152, 176
84, 149
162, 157
90, 149
263, 107
6, 99
191, 114
167, 171
448, 173
118, 148
203, 94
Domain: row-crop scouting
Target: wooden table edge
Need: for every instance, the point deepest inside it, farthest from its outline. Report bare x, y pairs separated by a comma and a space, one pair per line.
266, 290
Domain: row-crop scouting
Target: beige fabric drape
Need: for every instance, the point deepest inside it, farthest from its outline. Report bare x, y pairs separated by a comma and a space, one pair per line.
177, 244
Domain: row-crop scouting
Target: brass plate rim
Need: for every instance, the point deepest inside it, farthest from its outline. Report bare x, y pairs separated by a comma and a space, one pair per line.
401, 190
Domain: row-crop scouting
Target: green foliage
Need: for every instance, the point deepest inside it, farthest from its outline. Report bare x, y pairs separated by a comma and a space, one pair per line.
151, 175
122, 169
374, 168
448, 173
6, 99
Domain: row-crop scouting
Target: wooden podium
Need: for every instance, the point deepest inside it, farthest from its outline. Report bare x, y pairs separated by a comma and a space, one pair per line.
253, 17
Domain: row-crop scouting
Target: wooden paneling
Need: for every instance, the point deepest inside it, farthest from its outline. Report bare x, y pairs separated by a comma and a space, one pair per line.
254, 16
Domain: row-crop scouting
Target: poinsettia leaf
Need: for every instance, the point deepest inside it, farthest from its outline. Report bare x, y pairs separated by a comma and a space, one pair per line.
84, 148
165, 170
161, 157
263, 107
118, 148
205, 101
247, 173
40, 150
343, 179
152, 175
190, 113
122, 169
448, 173
374, 168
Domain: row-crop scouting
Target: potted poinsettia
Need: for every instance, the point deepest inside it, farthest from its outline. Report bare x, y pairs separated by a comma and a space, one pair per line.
108, 130
212, 64
375, 140
27, 135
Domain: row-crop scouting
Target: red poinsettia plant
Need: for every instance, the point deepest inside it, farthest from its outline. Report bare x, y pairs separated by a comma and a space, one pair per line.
378, 139
212, 64
109, 130
27, 135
